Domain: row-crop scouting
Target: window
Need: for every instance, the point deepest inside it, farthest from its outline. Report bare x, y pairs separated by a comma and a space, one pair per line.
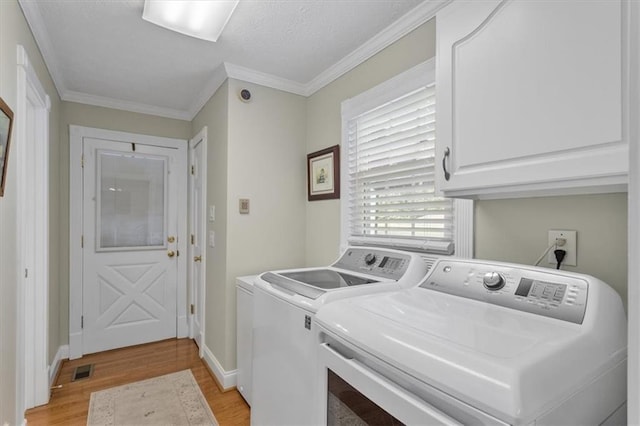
388, 167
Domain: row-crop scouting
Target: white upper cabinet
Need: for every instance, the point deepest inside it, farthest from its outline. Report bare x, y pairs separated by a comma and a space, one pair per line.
532, 97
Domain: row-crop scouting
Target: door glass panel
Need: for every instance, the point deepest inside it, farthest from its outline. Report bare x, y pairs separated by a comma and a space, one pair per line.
347, 406
131, 200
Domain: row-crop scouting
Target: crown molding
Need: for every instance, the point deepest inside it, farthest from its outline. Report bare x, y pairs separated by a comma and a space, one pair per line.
264, 79
407, 23
36, 24
106, 102
217, 79
394, 32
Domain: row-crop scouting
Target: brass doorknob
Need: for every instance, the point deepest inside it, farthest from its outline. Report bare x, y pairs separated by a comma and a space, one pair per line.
171, 253
197, 258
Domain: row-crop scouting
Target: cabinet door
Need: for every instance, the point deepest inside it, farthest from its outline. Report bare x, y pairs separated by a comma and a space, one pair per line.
531, 97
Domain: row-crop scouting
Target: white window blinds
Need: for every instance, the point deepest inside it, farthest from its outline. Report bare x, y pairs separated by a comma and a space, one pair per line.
390, 175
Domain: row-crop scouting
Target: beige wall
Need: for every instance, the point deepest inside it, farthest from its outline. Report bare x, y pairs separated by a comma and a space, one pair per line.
516, 231
214, 115
14, 31
267, 164
256, 151
324, 127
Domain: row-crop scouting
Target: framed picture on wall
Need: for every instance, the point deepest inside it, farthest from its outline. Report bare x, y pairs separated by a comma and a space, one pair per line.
6, 124
323, 174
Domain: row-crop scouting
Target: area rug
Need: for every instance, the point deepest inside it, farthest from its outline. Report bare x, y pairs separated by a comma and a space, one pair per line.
173, 399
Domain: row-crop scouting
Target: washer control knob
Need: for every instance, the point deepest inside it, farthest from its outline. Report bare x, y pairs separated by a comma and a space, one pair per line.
370, 259
493, 281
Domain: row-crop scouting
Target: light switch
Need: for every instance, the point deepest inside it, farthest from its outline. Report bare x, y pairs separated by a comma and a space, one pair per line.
244, 206
212, 213
212, 239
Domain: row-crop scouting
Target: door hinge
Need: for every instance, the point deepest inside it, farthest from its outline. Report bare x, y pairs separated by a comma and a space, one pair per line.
177, 252
193, 309
82, 161
193, 239
26, 273
82, 241
193, 170
82, 321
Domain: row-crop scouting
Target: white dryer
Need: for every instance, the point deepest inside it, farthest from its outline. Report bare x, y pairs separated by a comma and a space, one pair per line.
477, 343
285, 339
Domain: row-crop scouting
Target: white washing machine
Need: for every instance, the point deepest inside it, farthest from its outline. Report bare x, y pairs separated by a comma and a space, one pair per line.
477, 343
285, 339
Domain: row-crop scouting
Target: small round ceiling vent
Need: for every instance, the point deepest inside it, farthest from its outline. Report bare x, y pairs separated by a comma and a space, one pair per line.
245, 95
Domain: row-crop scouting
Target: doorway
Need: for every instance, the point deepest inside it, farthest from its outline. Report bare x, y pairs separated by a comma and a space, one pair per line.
128, 205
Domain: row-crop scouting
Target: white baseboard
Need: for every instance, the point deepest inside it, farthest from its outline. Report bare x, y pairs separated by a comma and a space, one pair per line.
63, 353
228, 379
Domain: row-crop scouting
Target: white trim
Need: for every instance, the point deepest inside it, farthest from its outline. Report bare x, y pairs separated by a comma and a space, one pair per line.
200, 138
633, 297
394, 32
32, 188
106, 102
227, 379
463, 225
61, 354
76, 136
264, 79
403, 26
76, 254
217, 79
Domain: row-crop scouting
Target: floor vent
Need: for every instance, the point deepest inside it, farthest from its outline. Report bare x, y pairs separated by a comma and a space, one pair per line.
82, 372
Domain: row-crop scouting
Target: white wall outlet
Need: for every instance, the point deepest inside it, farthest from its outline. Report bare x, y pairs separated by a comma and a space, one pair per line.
570, 246
212, 239
212, 213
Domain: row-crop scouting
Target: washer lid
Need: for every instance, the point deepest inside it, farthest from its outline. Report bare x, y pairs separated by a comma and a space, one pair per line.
314, 283
510, 364
327, 279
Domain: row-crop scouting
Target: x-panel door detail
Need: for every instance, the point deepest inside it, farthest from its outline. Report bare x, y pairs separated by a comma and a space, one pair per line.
130, 234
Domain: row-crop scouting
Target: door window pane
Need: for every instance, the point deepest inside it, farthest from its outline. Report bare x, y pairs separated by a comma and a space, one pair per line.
131, 204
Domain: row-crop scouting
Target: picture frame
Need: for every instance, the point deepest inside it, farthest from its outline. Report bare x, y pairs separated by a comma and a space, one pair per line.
323, 174
6, 125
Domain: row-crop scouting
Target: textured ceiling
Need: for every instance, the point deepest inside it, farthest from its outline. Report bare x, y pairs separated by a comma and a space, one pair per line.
103, 52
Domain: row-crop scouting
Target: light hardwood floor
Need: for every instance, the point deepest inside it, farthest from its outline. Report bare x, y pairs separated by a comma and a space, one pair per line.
69, 405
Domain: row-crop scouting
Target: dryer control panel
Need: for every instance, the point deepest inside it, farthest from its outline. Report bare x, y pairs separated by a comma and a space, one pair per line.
541, 291
387, 264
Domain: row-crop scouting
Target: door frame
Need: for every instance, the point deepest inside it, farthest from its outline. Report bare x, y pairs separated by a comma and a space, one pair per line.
201, 138
76, 259
32, 199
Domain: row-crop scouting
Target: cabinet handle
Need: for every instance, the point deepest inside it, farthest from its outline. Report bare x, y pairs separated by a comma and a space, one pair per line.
447, 175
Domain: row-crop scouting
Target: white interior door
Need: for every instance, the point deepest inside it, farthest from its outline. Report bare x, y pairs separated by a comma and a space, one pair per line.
131, 224
198, 218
